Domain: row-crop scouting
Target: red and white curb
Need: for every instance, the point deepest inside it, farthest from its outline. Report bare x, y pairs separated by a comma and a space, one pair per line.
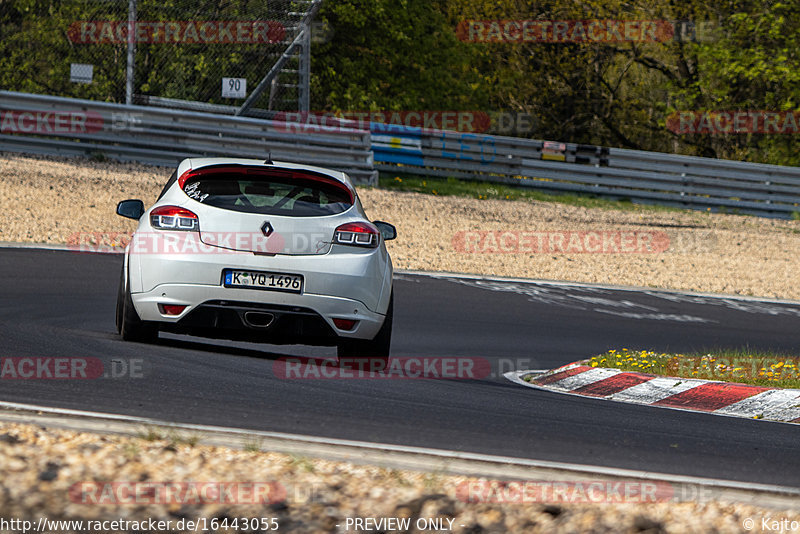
723, 398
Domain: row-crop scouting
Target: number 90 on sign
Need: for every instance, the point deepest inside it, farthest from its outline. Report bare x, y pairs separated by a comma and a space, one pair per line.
234, 87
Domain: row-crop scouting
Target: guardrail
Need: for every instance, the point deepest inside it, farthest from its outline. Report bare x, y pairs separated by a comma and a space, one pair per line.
643, 177
163, 136
72, 127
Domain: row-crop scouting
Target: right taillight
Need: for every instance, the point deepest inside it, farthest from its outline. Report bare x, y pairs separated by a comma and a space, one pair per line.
357, 234
174, 218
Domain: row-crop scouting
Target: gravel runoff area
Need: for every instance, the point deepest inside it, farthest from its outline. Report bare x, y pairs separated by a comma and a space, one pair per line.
55, 474
48, 200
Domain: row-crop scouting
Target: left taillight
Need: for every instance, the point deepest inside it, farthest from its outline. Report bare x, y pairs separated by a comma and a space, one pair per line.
357, 234
174, 218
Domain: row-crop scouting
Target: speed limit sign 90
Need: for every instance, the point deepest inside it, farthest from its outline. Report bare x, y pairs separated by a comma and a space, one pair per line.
234, 87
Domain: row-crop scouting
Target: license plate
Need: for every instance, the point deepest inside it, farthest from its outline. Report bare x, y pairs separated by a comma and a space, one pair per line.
262, 280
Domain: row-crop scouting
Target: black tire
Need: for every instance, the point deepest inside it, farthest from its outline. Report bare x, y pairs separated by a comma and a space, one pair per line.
374, 352
129, 325
120, 301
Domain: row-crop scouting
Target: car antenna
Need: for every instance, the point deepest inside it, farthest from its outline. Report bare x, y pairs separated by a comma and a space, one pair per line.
268, 161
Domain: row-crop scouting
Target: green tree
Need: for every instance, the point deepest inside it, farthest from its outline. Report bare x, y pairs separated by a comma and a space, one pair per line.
394, 54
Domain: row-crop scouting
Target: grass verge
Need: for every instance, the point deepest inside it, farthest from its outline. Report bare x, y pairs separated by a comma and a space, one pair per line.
761, 368
490, 190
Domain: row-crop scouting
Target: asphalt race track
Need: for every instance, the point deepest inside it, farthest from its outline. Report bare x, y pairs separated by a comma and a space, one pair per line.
60, 303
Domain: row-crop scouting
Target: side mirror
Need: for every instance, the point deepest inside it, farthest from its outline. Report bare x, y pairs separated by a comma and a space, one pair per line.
388, 232
132, 209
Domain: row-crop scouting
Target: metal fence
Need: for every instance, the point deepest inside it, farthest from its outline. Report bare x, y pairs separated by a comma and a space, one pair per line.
131, 50
55, 125
72, 127
642, 177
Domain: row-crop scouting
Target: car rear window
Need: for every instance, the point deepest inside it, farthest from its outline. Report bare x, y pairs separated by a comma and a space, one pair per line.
290, 194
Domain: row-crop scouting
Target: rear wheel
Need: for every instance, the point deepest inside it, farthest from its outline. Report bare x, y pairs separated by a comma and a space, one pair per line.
373, 352
129, 325
120, 301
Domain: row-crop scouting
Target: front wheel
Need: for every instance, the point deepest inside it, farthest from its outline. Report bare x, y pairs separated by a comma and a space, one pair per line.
129, 325
374, 352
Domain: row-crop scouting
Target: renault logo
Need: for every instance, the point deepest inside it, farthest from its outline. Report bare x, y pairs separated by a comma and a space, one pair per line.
267, 229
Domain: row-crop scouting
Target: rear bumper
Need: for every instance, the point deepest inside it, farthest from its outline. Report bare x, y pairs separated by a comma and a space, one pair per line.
349, 273
216, 311
248, 322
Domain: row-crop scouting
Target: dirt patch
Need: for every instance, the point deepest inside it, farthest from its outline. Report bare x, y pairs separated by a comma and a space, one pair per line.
48, 200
